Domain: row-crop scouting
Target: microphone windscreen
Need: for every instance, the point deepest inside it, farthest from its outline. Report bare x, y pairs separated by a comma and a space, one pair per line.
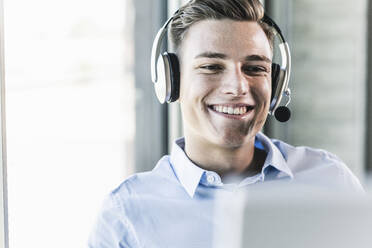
282, 114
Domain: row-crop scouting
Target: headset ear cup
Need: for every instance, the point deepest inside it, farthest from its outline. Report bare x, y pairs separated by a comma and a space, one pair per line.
275, 73
162, 85
174, 70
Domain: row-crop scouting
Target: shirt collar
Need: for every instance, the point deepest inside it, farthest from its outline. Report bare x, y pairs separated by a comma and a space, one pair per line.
186, 171
189, 174
274, 157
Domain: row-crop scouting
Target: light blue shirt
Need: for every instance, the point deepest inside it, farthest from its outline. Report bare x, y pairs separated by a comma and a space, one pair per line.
173, 205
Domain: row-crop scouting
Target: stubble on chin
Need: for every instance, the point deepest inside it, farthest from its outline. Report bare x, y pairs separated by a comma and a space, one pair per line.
235, 137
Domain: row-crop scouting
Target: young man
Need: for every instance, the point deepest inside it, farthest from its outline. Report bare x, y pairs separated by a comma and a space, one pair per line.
225, 55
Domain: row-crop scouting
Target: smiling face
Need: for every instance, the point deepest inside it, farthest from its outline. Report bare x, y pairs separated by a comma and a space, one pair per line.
225, 82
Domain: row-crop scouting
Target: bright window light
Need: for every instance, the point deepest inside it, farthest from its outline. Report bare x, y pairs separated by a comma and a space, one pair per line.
70, 115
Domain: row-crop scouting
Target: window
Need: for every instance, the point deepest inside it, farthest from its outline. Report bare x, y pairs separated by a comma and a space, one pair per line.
70, 115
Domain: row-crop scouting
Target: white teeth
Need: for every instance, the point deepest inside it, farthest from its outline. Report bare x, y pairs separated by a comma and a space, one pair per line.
230, 110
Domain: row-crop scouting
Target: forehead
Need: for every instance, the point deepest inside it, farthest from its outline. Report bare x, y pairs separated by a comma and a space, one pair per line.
233, 38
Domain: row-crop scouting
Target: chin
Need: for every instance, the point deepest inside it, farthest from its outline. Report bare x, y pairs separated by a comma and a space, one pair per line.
235, 140
238, 137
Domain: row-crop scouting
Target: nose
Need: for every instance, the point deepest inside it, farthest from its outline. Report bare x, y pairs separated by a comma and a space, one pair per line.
236, 84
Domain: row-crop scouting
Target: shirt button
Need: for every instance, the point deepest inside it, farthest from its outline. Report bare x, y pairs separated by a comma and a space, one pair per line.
210, 178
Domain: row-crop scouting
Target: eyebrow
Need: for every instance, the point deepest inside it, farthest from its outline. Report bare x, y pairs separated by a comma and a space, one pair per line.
257, 58
213, 55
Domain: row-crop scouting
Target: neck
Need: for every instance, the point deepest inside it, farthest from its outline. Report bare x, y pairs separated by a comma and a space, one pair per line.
225, 160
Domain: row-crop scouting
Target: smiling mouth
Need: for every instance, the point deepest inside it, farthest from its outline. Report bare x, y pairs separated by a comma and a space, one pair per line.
232, 110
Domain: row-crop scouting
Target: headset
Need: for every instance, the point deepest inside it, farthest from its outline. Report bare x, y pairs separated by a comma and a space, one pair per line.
165, 72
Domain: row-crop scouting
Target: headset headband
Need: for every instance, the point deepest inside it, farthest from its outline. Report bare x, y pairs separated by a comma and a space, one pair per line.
285, 65
155, 52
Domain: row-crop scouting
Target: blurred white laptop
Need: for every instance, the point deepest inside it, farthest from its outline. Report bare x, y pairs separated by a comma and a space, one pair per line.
293, 219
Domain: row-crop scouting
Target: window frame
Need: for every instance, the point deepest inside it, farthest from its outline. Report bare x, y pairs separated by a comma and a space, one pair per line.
368, 145
151, 138
4, 237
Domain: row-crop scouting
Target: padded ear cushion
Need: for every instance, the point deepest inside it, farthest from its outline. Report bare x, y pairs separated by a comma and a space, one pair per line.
275, 72
162, 84
174, 70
